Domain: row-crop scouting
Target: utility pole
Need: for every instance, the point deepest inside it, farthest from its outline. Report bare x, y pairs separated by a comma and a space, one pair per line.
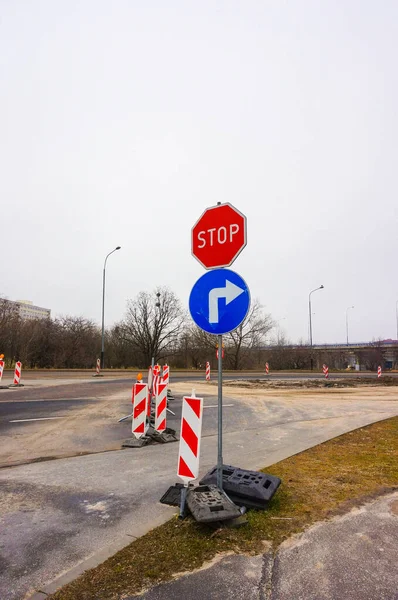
103, 309
310, 315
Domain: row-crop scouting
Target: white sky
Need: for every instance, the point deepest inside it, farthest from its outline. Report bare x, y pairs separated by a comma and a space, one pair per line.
120, 121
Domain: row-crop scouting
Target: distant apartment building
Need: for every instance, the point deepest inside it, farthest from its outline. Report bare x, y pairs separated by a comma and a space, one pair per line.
28, 310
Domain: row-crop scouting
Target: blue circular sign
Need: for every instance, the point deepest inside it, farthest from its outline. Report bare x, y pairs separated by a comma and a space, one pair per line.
219, 301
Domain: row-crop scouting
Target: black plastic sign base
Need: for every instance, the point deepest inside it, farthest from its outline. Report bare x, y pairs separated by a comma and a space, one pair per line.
169, 435
207, 504
136, 443
245, 488
173, 495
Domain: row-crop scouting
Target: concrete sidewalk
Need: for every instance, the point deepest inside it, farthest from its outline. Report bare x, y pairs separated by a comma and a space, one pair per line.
352, 557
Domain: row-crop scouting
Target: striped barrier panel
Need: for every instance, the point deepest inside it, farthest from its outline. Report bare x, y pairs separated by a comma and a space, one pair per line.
166, 374
140, 401
191, 429
207, 371
17, 373
156, 377
152, 391
160, 407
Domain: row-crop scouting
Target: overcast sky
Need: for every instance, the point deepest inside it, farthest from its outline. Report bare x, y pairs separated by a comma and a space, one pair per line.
122, 120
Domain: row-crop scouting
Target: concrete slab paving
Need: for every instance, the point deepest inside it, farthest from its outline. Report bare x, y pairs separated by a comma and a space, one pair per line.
237, 577
351, 557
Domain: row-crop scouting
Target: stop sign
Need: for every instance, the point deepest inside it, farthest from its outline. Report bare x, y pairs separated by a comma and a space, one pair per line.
219, 236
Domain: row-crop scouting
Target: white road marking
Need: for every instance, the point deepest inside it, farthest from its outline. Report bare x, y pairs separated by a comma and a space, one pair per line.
39, 419
216, 405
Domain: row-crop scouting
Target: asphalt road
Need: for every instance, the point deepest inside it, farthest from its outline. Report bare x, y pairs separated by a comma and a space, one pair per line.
59, 400
19, 414
128, 376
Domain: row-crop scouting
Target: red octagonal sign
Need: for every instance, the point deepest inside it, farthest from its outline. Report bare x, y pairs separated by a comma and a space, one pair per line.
219, 236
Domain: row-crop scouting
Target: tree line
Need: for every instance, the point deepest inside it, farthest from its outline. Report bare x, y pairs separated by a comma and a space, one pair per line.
155, 325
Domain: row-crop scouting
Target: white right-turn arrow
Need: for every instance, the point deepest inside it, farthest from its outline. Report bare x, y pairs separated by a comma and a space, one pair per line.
229, 292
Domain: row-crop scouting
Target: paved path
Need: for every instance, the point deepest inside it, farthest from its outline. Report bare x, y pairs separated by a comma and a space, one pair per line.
353, 557
56, 515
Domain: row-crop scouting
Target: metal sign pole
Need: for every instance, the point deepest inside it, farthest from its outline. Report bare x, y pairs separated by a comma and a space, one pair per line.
219, 457
150, 388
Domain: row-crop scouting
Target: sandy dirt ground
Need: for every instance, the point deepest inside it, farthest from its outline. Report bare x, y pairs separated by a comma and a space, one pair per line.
91, 428
94, 427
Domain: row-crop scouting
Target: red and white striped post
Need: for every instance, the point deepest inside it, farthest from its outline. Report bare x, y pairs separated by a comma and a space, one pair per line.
166, 375
222, 353
17, 373
1, 369
140, 400
161, 407
207, 371
191, 429
266, 368
156, 377
379, 372
98, 367
325, 370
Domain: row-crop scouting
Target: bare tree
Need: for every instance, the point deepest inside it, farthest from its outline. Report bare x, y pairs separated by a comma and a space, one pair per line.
250, 335
242, 346
10, 330
372, 356
79, 342
153, 327
202, 347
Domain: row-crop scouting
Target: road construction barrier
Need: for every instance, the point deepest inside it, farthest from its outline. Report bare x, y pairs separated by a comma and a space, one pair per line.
207, 371
191, 429
379, 371
17, 373
156, 378
139, 399
325, 370
245, 488
166, 375
222, 353
1, 369
266, 368
160, 407
98, 367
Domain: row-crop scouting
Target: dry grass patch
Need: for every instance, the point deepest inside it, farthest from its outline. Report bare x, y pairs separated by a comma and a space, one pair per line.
317, 483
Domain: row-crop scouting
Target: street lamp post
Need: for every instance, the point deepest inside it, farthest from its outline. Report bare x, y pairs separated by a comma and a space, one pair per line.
103, 308
310, 315
346, 321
